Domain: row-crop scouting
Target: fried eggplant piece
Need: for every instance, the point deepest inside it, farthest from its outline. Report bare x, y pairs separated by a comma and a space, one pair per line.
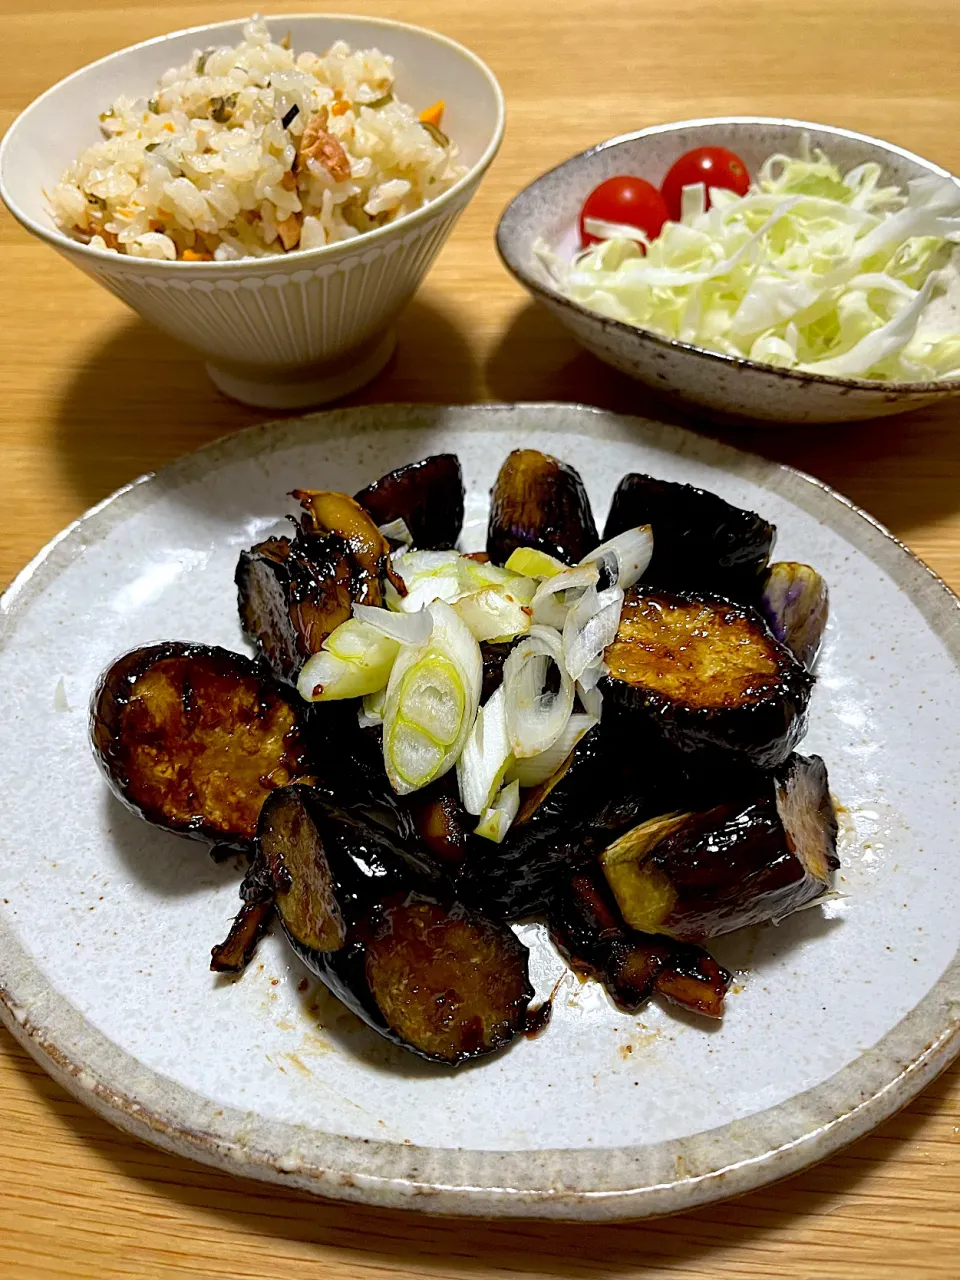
440, 821
240, 945
426, 495
293, 593
251, 922
329, 513
324, 872
315, 901
194, 738
700, 542
448, 983
539, 502
697, 875
560, 825
709, 674
796, 604
494, 656
692, 980
588, 930
352, 785
430, 976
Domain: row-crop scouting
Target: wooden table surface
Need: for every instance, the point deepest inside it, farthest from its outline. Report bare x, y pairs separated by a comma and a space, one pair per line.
90, 397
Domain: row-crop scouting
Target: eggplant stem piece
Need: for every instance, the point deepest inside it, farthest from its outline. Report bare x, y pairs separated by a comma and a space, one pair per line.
238, 948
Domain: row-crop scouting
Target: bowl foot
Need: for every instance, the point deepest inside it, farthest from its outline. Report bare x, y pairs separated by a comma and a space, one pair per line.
307, 386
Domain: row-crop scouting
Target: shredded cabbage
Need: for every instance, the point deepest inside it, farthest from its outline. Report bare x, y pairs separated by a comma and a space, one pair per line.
813, 269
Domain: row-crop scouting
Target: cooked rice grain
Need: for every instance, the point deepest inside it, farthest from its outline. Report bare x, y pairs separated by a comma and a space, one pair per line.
206, 169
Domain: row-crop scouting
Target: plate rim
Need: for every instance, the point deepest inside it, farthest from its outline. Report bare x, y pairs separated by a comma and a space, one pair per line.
576, 1183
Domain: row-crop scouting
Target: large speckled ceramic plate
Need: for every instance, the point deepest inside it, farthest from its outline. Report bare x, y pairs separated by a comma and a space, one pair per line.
838, 1016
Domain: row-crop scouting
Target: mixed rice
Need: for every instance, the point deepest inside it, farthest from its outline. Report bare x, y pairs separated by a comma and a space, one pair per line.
256, 150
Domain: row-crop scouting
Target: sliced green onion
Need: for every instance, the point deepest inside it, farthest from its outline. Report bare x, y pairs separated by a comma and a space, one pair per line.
486, 756
590, 626
533, 563
493, 614
428, 576
591, 699
536, 716
496, 820
356, 659
371, 712
476, 574
536, 769
431, 703
550, 602
626, 556
405, 628
397, 531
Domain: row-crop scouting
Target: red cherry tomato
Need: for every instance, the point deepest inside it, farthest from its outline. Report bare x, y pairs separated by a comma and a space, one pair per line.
713, 166
630, 201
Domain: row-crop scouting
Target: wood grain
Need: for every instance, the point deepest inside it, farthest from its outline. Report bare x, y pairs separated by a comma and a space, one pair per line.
90, 398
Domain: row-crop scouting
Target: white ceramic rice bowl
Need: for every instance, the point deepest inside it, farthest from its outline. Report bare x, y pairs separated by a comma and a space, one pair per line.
284, 331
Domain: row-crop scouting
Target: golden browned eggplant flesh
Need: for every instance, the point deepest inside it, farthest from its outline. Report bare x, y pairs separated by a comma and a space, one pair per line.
710, 674
601, 737
195, 738
428, 974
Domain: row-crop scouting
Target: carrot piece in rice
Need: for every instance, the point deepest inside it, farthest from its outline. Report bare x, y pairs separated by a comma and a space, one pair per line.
433, 115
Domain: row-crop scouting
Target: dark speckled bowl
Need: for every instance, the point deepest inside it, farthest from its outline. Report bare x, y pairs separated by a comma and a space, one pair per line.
722, 385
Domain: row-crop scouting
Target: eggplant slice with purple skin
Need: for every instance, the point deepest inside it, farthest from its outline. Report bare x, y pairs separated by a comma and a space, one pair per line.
796, 603
426, 495
293, 593
440, 821
539, 502
698, 875
700, 542
433, 977
709, 675
494, 656
587, 929
194, 739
